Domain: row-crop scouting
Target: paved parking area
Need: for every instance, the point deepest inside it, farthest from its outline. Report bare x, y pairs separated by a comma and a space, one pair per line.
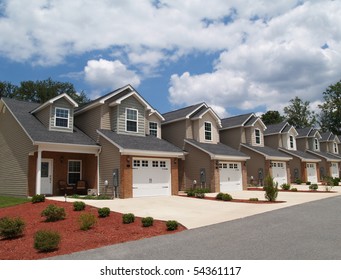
194, 213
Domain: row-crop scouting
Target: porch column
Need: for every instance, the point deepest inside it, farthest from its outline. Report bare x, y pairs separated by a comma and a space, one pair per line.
38, 173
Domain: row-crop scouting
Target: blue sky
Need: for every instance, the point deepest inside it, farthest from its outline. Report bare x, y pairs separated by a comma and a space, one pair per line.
237, 56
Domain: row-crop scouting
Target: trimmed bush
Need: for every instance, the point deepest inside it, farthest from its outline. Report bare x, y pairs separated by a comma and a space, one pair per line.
78, 206
285, 187
253, 199
147, 221
38, 198
336, 181
46, 240
87, 221
313, 187
128, 218
219, 196
11, 227
270, 188
294, 189
53, 213
226, 197
308, 183
103, 212
298, 181
200, 195
172, 225
190, 192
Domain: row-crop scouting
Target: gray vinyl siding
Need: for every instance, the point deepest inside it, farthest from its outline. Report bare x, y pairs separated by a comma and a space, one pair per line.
106, 117
89, 122
109, 159
155, 119
44, 116
175, 133
61, 103
15, 147
301, 144
114, 118
131, 103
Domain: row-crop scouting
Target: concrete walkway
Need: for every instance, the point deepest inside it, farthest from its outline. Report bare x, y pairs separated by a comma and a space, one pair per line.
194, 213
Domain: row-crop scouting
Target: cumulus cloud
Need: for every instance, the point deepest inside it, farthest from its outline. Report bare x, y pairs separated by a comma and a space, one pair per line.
107, 74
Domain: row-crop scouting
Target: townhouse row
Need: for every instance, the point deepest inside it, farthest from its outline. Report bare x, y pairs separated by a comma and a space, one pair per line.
120, 144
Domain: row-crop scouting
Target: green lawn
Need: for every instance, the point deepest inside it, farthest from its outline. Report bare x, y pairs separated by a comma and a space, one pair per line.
6, 201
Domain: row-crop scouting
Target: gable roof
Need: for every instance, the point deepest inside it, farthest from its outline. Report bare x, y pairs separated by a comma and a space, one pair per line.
268, 153
138, 145
37, 132
52, 100
241, 120
307, 132
282, 127
329, 137
184, 113
327, 156
116, 97
218, 151
303, 156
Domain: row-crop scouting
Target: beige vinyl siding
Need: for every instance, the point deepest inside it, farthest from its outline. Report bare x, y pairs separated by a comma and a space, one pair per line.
253, 135
15, 147
131, 103
44, 116
155, 119
233, 137
201, 129
106, 117
273, 141
196, 130
175, 133
194, 162
63, 104
302, 144
89, 122
109, 159
114, 118
188, 129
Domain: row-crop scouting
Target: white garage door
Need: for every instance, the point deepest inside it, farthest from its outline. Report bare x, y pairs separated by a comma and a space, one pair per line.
334, 170
279, 172
230, 176
311, 173
151, 177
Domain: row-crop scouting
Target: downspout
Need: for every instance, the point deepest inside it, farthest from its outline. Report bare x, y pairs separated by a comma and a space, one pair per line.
97, 155
38, 172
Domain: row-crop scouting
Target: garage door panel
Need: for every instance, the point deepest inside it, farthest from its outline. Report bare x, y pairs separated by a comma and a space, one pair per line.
311, 172
230, 176
279, 172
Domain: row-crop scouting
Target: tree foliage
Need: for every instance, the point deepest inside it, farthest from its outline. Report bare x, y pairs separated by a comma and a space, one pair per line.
272, 117
299, 114
330, 116
41, 91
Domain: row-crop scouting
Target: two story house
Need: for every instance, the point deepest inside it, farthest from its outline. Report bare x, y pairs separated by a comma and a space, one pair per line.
311, 141
134, 158
40, 146
246, 133
207, 163
303, 166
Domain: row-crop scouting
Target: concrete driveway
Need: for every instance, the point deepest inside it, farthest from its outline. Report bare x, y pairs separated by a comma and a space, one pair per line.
194, 213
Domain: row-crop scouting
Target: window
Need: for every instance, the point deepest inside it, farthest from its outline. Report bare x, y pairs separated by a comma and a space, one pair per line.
131, 120
62, 117
208, 131
74, 171
316, 144
155, 163
257, 136
291, 142
136, 163
335, 148
153, 129
145, 163
162, 164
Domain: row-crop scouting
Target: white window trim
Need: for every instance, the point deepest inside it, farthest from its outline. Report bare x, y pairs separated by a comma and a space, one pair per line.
153, 128
335, 148
209, 140
68, 172
260, 136
293, 142
68, 118
316, 144
137, 120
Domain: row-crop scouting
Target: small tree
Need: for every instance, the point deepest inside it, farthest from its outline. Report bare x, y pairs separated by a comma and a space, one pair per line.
270, 188
299, 114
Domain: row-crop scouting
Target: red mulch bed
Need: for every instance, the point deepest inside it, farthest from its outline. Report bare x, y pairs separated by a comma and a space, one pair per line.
302, 191
107, 231
239, 200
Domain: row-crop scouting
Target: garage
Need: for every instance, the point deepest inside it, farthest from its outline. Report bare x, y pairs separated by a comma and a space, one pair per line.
151, 177
279, 172
311, 173
230, 176
334, 170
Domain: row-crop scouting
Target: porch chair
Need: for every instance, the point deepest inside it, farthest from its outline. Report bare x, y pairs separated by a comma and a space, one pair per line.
65, 188
81, 187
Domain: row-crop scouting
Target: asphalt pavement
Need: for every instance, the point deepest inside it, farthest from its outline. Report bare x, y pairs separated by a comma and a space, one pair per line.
308, 231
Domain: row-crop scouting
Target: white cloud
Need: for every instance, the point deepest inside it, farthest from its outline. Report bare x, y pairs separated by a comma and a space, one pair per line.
105, 74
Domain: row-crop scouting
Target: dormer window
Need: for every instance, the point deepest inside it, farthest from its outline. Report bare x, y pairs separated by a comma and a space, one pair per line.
316, 144
62, 117
335, 147
131, 120
208, 131
257, 136
153, 129
291, 142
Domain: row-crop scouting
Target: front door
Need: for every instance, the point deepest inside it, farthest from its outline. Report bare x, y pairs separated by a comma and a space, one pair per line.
46, 176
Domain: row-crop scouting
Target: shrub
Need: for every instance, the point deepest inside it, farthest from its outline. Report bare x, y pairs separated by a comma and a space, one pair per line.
200, 195
87, 221
53, 213
38, 198
78, 206
128, 218
285, 187
270, 188
313, 187
253, 199
226, 197
336, 181
11, 227
308, 183
147, 221
190, 192
294, 189
46, 240
298, 181
104, 212
219, 196
172, 225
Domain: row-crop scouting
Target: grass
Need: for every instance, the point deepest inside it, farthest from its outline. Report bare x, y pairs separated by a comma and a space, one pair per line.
6, 201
